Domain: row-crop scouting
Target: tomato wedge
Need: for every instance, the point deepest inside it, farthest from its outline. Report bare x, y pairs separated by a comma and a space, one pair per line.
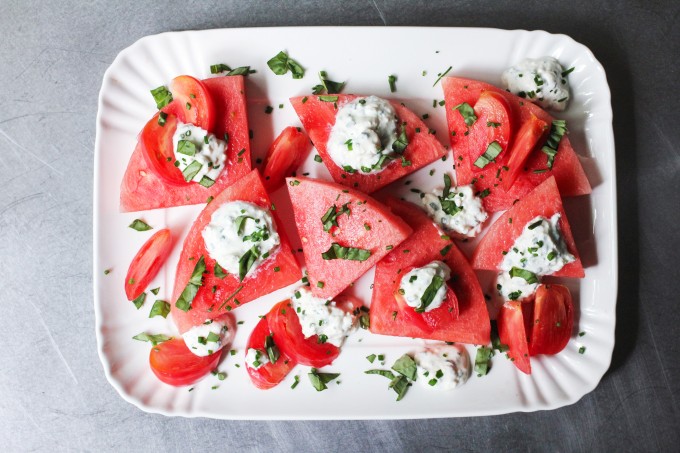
494, 124
173, 363
533, 131
191, 102
429, 321
147, 262
269, 374
285, 155
553, 319
512, 332
157, 148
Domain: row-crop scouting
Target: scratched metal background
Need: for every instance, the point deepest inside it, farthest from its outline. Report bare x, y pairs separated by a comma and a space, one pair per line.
53, 394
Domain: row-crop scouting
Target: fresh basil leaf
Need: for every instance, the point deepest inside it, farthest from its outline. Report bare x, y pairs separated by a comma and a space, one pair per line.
385, 373
160, 308
319, 380
240, 223
406, 366
153, 339
467, 112
191, 170
281, 63
139, 300
162, 118
392, 79
219, 67
483, 361
155, 291
213, 337
429, 294
528, 276
272, 350
330, 86
231, 296
247, 261
370, 358
140, 225
441, 76
400, 385
196, 281
206, 182
492, 151
450, 207
218, 271
162, 96
328, 98
365, 321
400, 144
552, 144
243, 70
186, 147
336, 251
447, 186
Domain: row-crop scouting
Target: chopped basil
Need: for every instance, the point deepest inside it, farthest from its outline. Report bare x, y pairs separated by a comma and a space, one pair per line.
535, 224
231, 296
317, 158
268, 109
557, 131
191, 170
386, 373
240, 223
328, 98
247, 261
365, 321
328, 85
484, 193
196, 281
400, 144
296, 380
162, 96
492, 151
243, 70
406, 366
160, 308
162, 118
321, 339
400, 385
139, 225
392, 81
139, 300
442, 75
219, 67
445, 250
206, 182
213, 337
567, 71
582, 350
153, 339
218, 271
281, 63
429, 294
515, 295
467, 112
330, 218
482, 361
336, 251
371, 358
271, 348
319, 380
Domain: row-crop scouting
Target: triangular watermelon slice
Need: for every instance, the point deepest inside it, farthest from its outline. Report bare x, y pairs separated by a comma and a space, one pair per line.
357, 221
426, 244
141, 189
209, 304
318, 117
567, 169
544, 201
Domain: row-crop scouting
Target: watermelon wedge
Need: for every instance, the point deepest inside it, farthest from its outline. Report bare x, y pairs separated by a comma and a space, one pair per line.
567, 170
141, 189
425, 245
228, 292
544, 201
352, 220
318, 117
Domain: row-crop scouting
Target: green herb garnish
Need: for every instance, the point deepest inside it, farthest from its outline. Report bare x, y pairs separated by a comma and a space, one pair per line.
160, 308
492, 151
153, 339
162, 96
196, 281
281, 63
467, 112
336, 251
140, 225
319, 380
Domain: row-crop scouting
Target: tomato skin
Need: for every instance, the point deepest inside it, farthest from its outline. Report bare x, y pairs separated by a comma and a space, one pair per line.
432, 320
285, 325
491, 108
173, 363
147, 262
532, 132
270, 374
285, 155
553, 319
188, 90
512, 332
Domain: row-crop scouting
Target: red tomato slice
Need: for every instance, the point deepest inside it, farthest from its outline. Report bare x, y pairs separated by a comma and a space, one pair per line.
191, 102
512, 333
173, 363
429, 321
494, 124
532, 132
285, 155
147, 262
553, 319
270, 374
157, 149
285, 325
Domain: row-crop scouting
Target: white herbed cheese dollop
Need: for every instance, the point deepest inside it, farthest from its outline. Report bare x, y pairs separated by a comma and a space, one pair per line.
208, 151
207, 338
540, 249
415, 282
322, 317
540, 81
443, 367
237, 228
255, 358
465, 220
364, 131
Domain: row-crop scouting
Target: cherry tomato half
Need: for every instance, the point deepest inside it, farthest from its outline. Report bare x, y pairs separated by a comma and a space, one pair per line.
512, 332
270, 374
191, 102
531, 133
285, 155
173, 363
494, 124
147, 262
553, 319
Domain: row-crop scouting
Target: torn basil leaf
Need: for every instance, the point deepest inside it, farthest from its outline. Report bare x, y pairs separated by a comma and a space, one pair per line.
219, 67
467, 112
191, 170
528, 276
160, 308
247, 261
336, 251
385, 373
140, 225
429, 294
218, 271
281, 63
492, 151
162, 96
483, 361
400, 144
139, 300
153, 339
196, 281
406, 366
186, 147
319, 380
552, 144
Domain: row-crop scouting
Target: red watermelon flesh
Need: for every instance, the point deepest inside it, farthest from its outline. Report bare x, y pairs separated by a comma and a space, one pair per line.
318, 117
370, 226
567, 169
426, 245
544, 201
141, 189
264, 280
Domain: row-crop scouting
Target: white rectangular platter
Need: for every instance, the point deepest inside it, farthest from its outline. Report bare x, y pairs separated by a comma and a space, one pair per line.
364, 58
